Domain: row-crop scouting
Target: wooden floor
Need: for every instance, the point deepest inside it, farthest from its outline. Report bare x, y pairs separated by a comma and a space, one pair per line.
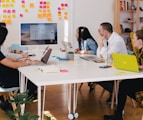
89, 107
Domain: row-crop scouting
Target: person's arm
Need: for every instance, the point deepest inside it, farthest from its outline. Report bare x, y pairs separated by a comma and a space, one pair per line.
10, 55
15, 64
102, 47
91, 47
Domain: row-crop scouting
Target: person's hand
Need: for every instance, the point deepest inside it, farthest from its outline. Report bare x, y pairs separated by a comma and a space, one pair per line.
100, 41
18, 51
141, 67
25, 55
35, 62
32, 62
77, 50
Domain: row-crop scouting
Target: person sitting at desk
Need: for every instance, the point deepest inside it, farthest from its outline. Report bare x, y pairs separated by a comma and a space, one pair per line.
9, 76
109, 42
14, 54
130, 87
87, 45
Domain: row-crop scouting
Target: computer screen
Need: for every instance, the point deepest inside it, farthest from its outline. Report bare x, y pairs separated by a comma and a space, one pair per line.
38, 33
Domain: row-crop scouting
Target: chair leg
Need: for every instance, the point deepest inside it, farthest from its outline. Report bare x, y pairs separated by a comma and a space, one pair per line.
14, 107
114, 94
134, 102
81, 84
102, 93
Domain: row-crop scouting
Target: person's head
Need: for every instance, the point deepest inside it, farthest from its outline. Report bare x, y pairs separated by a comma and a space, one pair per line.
138, 39
82, 33
2, 24
3, 34
105, 29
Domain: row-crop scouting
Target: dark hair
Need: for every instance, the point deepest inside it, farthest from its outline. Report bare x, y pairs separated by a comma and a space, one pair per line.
3, 34
83, 33
139, 34
107, 26
2, 24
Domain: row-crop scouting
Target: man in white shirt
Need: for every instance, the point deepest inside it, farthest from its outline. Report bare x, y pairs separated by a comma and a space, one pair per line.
109, 42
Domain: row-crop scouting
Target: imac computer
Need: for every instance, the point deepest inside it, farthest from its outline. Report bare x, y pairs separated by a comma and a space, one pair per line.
38, 33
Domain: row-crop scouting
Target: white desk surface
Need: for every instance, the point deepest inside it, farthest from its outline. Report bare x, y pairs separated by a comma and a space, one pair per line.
79, 71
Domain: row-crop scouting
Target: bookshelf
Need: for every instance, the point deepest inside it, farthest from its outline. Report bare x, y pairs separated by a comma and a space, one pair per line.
127, 14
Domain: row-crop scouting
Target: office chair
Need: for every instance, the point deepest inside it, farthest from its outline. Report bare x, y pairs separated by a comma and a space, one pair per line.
7, 93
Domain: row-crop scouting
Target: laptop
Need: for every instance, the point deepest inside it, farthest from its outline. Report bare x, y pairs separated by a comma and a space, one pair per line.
67, 45
125, 62
46, 56
92, 58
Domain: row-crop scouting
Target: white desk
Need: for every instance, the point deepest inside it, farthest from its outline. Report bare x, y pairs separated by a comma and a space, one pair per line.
79, 71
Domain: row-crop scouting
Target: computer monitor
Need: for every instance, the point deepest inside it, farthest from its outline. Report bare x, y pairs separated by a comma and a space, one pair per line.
38, 33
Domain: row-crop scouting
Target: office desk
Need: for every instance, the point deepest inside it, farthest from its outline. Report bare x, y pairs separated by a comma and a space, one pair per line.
79, 71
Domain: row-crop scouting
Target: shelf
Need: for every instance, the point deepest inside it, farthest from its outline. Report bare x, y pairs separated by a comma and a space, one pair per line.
129, 21
125, 33
131, 11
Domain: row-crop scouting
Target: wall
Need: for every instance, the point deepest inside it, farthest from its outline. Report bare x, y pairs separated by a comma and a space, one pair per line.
89, 13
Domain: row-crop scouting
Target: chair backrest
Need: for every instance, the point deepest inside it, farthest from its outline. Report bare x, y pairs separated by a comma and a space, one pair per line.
135, 50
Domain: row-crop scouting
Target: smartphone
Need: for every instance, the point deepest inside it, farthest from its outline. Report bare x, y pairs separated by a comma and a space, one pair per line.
105, 66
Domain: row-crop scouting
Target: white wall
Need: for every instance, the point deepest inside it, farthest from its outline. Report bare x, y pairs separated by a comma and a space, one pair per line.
89, 13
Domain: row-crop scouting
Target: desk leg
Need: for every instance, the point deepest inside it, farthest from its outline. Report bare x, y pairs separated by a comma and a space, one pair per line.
39, 102
72, 101
22, 89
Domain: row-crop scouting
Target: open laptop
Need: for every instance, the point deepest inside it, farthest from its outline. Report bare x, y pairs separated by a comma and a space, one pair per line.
92, 58
125, 62
67, 45
46, 56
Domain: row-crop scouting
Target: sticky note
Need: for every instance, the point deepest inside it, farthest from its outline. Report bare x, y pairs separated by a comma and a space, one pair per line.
40, 16
13, 1
23, 6
9, 16
66, 5
62, 4
13, 11
26, 10
63, 8
65, 17
8, 11
31, 5
49, 14
49, 19
13, 16
21, 15
64, 70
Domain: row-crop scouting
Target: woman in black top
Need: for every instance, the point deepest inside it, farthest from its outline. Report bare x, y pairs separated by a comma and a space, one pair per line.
130, 87
9, 75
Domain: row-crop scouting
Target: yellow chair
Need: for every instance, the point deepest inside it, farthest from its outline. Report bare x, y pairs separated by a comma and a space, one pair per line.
135, 50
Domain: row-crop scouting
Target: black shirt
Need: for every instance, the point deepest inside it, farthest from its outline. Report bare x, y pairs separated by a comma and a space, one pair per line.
9, 77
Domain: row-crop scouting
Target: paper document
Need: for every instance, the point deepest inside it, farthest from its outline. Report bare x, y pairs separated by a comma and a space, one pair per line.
49, 68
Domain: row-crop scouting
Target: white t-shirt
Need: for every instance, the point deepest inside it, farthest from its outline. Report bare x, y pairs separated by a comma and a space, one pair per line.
116, 44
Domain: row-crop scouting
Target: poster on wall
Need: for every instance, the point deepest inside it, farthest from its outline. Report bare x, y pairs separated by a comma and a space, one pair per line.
47, 10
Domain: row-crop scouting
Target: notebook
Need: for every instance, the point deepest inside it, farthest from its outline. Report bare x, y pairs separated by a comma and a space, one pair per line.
46, 56
125, 62
92, 58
